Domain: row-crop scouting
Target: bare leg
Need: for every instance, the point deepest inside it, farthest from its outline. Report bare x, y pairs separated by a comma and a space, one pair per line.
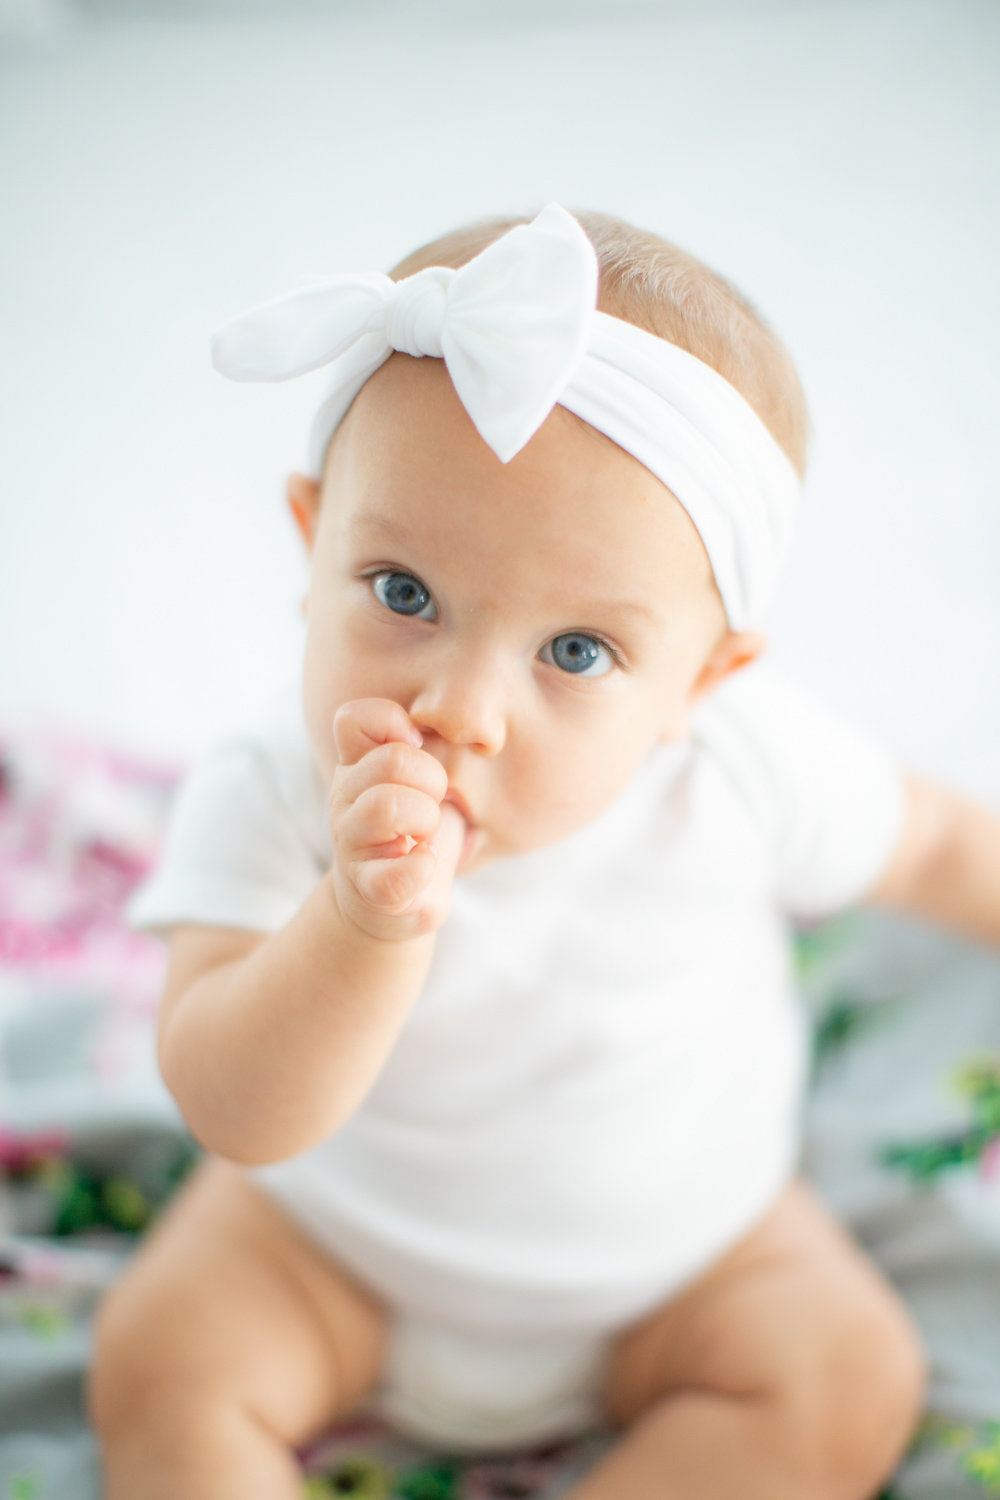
789, 1372
231, 1341
175, 1456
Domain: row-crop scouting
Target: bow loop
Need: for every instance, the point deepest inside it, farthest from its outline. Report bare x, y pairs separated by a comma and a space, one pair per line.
519, 320
301, 331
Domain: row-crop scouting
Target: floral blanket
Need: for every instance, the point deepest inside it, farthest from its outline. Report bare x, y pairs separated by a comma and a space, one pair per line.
903, 1138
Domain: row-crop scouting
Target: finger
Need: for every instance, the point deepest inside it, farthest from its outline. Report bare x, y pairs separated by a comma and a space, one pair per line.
446, 846
392, 764
418, 882
386, 813
366, 722
393, 886
449, 839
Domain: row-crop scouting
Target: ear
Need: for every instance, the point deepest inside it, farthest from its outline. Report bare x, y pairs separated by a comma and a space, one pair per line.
736, 649
303, 501
733, 651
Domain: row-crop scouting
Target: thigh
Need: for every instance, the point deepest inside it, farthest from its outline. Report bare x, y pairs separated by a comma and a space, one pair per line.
229, 1299
794, 1299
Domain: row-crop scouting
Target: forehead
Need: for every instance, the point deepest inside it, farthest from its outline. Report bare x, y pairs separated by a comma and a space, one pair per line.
408, 462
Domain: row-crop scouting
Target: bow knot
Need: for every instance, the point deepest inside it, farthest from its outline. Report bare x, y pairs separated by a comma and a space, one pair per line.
416, 312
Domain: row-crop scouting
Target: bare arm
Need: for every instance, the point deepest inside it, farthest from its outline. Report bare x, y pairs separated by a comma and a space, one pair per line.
947, 864
269, 1043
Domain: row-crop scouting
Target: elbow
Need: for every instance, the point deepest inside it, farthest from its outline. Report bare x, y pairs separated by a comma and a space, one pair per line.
202, 1110
239, 1145
222, 1126
240, 1153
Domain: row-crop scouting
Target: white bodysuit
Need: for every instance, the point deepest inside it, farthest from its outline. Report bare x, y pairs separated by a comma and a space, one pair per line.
598, 1091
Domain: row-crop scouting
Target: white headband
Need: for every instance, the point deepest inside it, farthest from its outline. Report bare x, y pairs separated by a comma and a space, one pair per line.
519, 332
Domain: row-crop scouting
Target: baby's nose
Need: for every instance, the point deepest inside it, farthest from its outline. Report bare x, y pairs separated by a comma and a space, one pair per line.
463, 708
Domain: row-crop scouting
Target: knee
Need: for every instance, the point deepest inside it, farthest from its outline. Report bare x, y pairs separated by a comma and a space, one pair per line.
143, 1368
853, 1412
118, 1372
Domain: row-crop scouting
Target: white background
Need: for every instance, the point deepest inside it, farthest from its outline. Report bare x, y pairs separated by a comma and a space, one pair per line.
163, 166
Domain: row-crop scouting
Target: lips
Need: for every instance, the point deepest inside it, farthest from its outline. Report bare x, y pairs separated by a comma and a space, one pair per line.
460, 805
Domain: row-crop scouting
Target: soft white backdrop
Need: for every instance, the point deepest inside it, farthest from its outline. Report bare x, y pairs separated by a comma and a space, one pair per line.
161, 167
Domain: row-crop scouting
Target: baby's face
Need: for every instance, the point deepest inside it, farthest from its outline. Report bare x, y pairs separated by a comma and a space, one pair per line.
544, 623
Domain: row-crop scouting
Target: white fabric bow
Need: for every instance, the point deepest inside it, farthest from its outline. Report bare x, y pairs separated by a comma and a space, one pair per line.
512, 326
519, 332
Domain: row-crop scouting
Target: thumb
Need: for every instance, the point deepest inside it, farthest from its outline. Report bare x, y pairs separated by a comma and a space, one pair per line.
447, 845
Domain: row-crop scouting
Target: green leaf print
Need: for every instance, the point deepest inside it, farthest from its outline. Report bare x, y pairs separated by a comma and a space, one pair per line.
925, 1160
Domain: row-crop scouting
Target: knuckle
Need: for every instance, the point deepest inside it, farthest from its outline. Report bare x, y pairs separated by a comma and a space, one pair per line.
363, 722
434, 913
395, 761
398, 884
376, 813
389, 887
338, 798
345, 721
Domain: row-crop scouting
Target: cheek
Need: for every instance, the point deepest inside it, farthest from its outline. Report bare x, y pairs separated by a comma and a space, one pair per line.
586, 775
341, 663
330, 650
319, 706
326, 685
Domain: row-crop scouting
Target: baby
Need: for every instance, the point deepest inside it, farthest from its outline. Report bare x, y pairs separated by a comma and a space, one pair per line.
478, 993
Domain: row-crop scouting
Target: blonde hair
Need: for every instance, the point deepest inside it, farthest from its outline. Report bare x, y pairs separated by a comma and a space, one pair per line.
649, 282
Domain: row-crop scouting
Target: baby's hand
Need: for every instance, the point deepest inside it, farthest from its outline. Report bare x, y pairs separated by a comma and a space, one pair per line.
395, 847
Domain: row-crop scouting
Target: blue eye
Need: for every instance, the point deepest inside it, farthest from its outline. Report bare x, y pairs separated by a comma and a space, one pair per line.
404, 595
583, 655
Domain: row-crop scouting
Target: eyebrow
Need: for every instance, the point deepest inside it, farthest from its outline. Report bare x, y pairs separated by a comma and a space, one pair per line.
397, 532
374, 521
622, 607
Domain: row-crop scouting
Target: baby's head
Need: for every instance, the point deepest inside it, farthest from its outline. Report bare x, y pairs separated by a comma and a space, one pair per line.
538, 600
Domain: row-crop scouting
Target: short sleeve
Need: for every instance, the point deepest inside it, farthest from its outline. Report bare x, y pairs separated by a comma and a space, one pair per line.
244, 847
828, 798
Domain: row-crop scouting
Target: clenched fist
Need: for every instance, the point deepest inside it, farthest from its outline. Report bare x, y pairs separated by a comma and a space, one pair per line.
396, 843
